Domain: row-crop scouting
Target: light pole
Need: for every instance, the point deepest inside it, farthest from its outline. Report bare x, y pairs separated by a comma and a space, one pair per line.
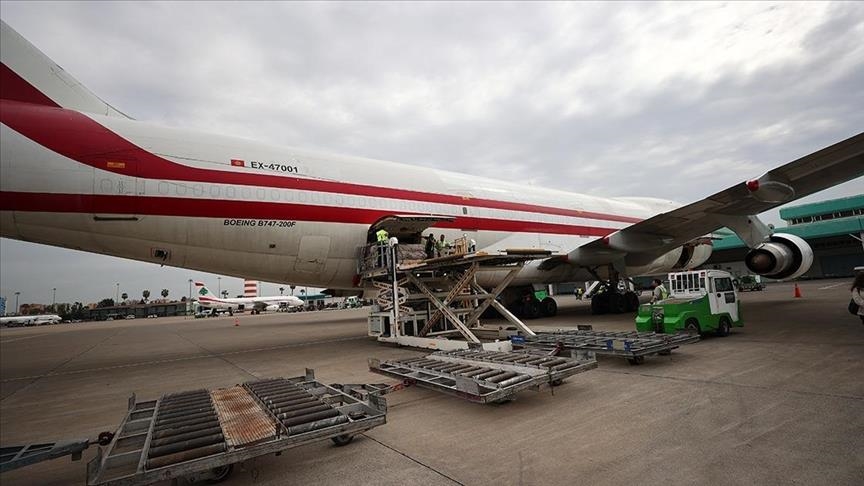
117, 293
54, 298
189, 300
16, 302
219, 283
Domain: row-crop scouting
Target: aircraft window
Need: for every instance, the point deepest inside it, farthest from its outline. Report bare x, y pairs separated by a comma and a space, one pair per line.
464, 210
723, 284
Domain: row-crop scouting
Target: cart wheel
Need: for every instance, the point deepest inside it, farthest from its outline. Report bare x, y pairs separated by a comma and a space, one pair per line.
221, 473
692, 325
636, 360
724, 327
342, 440
105, 438
558, 382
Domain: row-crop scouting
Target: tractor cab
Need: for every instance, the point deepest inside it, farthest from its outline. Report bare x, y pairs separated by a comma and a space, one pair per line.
699, 301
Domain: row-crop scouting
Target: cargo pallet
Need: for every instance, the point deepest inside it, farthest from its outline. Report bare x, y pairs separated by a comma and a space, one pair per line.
201, 434
483, 376
631, 345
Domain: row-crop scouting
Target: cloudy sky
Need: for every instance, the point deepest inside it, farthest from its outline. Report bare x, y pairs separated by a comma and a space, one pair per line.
673, 100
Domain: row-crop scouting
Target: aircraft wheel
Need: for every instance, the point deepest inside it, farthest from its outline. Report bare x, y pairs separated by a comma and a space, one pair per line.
548, 307
724, 327
531, 309
632, 301
617, 303
600, 304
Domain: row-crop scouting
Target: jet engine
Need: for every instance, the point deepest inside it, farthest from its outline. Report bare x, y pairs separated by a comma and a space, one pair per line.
782, 256
694, 254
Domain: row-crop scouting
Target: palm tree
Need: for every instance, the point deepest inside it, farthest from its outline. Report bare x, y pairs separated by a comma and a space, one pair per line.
224, 294
124, 296
146, 294
164, 293
281, 290
292, 287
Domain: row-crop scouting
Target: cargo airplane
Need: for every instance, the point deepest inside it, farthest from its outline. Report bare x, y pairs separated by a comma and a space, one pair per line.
80, 174
255, 304
34, 320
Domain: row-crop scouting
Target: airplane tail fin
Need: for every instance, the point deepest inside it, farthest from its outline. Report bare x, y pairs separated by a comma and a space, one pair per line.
29, 76
204, 293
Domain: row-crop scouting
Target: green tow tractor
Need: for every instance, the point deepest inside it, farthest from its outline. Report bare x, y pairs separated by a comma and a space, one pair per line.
700, 302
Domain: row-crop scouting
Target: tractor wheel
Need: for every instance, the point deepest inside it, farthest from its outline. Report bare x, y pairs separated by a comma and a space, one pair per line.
692, 326
724, 327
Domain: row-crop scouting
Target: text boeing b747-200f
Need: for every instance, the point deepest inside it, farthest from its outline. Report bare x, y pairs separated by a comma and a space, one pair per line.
255, 304
79, 174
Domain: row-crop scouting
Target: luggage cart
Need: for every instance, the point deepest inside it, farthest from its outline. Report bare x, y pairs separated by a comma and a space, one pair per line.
201, 434
483, 376
631, 345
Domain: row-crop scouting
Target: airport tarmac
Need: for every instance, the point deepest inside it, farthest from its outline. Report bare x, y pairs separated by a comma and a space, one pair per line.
780, 401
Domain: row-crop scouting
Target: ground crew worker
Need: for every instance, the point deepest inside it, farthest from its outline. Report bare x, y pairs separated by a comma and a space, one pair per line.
430, 246
442, 246
382, 237
659, 292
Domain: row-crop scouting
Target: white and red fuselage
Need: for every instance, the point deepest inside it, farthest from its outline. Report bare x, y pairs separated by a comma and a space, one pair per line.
235, 207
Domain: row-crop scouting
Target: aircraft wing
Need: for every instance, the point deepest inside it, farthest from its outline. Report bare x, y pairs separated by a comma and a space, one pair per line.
732, 207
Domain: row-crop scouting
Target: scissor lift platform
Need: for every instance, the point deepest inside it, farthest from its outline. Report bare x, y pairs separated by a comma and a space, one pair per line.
483, 376
436, 303
631, 345
201, 434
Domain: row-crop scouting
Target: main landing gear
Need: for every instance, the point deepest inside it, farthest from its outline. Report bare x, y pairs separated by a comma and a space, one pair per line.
615, 296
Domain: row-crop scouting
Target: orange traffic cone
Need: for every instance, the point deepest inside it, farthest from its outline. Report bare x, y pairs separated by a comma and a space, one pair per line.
237, 320
797, 292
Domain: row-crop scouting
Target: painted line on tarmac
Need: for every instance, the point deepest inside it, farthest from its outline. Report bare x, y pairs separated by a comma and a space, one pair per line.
742, 385
416, 461
175, 360
832, 286
14, 340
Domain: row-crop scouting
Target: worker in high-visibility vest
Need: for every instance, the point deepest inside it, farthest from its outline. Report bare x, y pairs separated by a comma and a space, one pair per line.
659, 293
382, 235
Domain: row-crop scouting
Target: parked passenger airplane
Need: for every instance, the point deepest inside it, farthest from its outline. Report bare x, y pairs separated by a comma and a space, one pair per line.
255, 304
80, 174
34, 320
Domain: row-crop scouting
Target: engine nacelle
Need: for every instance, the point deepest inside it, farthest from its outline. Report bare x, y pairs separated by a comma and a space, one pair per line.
693, 255
783, 256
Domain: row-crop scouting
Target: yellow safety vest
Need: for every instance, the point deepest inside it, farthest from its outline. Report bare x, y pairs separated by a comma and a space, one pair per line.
382, 235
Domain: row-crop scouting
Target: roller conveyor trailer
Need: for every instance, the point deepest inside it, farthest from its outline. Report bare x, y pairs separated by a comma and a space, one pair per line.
200, 435
631, 345
483, 376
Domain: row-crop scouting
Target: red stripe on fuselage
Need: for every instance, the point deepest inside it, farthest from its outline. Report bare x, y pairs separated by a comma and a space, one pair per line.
80, 138
204, 208
16, 88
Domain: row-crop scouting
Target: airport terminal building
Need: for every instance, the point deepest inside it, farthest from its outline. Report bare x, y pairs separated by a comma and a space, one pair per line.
833, 228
